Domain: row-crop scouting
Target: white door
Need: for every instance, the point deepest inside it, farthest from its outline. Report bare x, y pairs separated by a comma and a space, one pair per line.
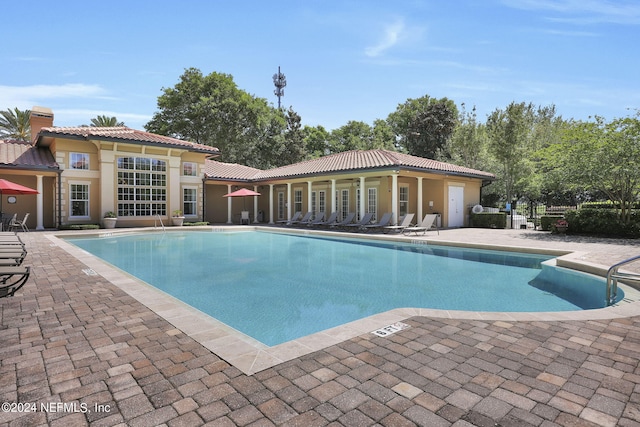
456, 203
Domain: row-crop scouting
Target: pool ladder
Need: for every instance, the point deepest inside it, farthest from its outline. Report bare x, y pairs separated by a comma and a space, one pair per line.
155, 222
613, 274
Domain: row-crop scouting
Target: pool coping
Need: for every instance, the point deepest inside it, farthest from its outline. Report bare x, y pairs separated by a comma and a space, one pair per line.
251, 356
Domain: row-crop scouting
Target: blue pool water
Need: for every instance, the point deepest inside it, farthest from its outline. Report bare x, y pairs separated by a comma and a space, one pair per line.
277, 287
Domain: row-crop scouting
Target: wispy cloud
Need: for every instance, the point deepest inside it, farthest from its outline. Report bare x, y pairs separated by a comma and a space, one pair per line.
27, 96
584, 11
393, 33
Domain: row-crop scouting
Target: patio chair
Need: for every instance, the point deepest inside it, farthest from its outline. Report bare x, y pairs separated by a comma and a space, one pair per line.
346, 221
244, 217
331, 220
406, 222
366, 219
384, 221
310, 219
319, 219
296, 217
305, 219
428, 222
12, 279
15, 223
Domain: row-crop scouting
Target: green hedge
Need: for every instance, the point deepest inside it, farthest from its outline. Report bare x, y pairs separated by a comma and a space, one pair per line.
606, 205
604, 222
546, 221
488, 220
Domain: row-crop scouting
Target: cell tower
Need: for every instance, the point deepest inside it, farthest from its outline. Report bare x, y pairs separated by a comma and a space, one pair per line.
280, 81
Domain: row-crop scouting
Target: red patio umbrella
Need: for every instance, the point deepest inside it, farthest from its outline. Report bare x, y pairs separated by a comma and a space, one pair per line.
9, 187
243, 192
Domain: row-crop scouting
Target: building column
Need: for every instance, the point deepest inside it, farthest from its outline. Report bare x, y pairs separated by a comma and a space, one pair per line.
419, 200
363, 206
39, 204
229, 205
309, 199
288, 200
255, 205
394, 197
271, 204
333, 197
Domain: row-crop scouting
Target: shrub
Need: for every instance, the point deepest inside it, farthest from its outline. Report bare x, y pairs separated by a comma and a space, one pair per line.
195, 223
488, 220
79, 227
547, 221
605, 222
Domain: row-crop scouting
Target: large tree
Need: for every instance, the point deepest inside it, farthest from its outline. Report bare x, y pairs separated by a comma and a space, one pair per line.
212, 110
423, 126
601, 156
509, 132
14, 124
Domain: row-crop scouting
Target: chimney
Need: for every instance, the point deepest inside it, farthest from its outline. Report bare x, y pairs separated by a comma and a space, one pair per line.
41, 117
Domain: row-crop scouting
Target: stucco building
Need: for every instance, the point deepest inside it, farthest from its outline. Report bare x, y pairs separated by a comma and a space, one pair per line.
83, 172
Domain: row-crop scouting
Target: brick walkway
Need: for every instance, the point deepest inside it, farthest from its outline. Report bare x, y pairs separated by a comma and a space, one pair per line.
70, 342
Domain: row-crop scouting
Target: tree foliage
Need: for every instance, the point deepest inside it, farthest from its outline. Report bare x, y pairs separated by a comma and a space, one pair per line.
105, 121
212, 110
423, 126
601, 156
15, 124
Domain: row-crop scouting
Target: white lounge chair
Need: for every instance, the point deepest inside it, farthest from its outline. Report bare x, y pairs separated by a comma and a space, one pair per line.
428, 222
406, 222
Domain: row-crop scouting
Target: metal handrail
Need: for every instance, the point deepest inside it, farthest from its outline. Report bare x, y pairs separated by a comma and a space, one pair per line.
613, 275
155, 222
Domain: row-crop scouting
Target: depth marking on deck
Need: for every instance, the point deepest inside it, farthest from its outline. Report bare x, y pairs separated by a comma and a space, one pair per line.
390, 329
89, 272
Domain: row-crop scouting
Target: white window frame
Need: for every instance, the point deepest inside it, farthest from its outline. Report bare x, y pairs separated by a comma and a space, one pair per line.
87, 201
193, 202
344, 203
297, 200
79, 158
403, 200
314, 202
193, 166
372, 201
322, 201
142, 186
281, 205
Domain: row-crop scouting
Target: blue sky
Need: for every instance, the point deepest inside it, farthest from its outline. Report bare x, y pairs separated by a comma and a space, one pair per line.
344, 60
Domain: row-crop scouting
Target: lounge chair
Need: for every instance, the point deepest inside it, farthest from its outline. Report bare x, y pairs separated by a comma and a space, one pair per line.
296, 217
366, 219
406, 222
321, 222
309, 220
317, 220
305, 219
15, 223
384, 221
346, 221
428, 222
12, 279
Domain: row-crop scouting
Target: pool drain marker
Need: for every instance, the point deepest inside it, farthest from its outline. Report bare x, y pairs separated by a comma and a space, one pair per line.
390, 329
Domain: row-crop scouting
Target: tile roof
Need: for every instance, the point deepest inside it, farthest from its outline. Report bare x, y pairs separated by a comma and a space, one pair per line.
231, 171
342, 162
23, 154
125, 134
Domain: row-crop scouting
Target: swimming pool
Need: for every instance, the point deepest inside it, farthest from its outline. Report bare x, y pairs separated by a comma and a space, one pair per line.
277, 287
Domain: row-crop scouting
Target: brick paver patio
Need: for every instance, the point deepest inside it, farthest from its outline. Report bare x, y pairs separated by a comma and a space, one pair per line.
76, 350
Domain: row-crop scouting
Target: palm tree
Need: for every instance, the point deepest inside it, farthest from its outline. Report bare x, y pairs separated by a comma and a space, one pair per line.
14, 124
104, 121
